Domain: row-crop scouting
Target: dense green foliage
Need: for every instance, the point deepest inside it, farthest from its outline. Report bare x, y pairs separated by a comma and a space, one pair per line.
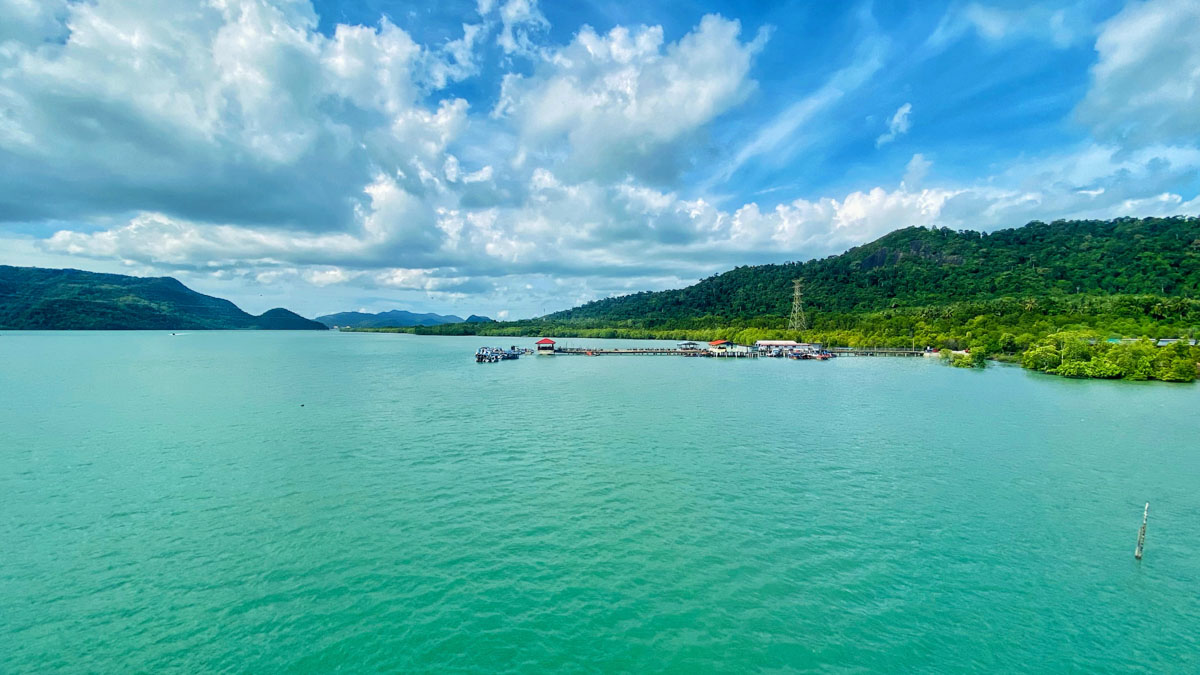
920, 267
44, 299
1001, 295
1084, 354
976, 359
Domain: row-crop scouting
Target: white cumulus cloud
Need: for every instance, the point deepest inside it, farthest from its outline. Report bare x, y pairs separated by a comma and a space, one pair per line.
231, 112
626, 102
520, 20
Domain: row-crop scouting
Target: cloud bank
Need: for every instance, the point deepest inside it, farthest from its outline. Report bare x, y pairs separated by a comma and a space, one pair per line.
235, 141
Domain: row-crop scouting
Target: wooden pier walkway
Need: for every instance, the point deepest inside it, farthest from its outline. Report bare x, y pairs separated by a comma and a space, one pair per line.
655, 351
876, 351
731, 354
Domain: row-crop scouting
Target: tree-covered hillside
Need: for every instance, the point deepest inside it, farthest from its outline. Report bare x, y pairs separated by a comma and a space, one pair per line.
920, 267
34, 298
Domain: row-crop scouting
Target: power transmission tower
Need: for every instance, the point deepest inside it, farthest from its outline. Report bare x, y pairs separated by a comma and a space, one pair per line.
798, 321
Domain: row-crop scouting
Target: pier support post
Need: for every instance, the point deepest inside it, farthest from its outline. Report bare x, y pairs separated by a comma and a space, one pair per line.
1142, 533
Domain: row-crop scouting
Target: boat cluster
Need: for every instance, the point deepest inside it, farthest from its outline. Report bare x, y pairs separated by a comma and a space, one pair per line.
494, 354
796, 354
810, 356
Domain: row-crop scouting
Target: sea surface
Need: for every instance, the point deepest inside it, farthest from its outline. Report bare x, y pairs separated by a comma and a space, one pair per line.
333, 502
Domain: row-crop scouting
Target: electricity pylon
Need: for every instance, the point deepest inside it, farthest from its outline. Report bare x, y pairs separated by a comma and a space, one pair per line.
798, 321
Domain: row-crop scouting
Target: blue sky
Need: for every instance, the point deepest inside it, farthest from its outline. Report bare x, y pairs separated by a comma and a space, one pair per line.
509, 158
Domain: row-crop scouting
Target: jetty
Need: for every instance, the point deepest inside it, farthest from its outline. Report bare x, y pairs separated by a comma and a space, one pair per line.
716, 349
656, 351
880, 351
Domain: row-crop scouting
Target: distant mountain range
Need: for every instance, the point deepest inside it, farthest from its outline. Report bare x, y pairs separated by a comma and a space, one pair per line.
33, 298
395, 317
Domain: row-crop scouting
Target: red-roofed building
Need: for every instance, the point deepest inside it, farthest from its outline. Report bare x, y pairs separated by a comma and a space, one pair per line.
545, 346
720, 345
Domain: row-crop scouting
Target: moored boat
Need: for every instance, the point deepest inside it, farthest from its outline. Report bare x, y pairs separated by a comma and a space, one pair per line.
494, 354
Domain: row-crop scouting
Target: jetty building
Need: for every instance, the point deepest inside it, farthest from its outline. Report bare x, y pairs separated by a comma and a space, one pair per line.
721, 345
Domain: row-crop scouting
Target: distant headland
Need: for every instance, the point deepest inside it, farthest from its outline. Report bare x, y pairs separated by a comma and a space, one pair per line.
35, 298
395, 317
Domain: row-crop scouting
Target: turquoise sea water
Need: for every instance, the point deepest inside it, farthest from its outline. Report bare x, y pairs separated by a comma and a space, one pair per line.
309, 502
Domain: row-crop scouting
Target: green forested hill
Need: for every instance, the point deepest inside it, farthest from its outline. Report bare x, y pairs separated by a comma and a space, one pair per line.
47, 299
920, 267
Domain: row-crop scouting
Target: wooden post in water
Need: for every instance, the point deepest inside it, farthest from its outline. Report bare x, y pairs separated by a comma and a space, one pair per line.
1142, 533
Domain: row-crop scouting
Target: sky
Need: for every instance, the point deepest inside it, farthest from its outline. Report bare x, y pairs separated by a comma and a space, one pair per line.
514, 157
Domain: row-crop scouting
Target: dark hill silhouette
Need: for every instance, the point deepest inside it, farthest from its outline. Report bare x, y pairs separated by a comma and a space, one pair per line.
35, 298
395, 317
